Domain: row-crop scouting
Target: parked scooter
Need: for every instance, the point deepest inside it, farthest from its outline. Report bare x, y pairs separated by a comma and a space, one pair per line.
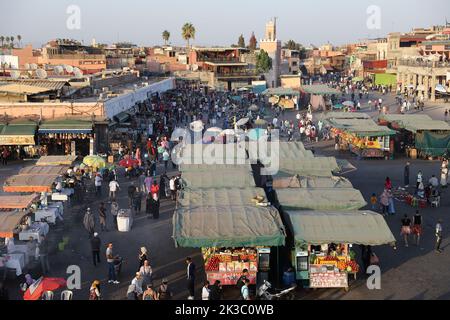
264, 292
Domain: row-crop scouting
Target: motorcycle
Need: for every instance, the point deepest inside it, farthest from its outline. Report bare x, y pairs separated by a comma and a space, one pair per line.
265, 292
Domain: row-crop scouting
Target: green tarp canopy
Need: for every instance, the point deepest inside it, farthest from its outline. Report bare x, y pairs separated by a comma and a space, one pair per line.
214, 167
385, 79
355, 227
319, 166
433, 144
320, 199
232, 153
320, 89
280, 150
219, 197
280, 182
342, 115
228, 226
415, 123
66, 126
281, 92
17, 129
220, 179
361, 127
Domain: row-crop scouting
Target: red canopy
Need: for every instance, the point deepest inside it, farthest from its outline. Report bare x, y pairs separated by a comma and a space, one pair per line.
128, 163
41, 285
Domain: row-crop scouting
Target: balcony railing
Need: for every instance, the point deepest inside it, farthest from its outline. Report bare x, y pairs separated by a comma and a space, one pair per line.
425, 64
218, 60
236, 74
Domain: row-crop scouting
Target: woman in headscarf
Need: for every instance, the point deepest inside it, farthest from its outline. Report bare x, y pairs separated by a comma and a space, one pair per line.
94, 291
146, 274
142, 256
89, 222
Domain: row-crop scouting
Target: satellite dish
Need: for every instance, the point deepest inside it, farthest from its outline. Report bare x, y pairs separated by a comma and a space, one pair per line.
77, 73
33, 66
27, 66
41, 73
68, 68
195, 67
58, 70
15, 74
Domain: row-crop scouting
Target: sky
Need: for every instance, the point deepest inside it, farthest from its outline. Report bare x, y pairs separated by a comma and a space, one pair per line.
217, 22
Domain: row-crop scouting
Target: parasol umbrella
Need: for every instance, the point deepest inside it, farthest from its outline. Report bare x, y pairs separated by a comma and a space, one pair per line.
242, 121
177, 133
211, 132
227, 132
348, 103
41, 285
94, 161
253, 107
196, 125
126, 163
256, 134
338, 106
260, 122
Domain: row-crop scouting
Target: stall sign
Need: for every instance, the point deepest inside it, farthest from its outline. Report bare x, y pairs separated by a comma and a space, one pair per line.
229, 278
328, 280
17, 140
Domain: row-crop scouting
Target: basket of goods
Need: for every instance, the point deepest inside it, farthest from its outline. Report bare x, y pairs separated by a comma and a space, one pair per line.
213, 264
352, 266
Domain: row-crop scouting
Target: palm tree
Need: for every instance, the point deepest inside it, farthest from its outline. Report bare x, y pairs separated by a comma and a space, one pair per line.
166, 36
19, 38
7, 41
12, 42
188, 32
2, 39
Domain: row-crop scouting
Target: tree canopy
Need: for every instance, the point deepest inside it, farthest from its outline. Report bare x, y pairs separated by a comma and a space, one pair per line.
252, 42
263, 62
241, 41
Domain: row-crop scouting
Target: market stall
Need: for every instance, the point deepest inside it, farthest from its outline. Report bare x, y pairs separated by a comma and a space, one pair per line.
17, 202
323, 253
320, 96
29, 183
418, 135
218, 179
56, 160
19, 138
286, 98
232, 238
281, 181
362, 137
44, 170
320, 199
65, 136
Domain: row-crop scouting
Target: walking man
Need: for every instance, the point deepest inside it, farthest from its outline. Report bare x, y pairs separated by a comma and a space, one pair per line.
95, 247
190, 277
438, 236
406, 175
43, 255
89, 222
102, 216
111, 270
113, 187
98, 184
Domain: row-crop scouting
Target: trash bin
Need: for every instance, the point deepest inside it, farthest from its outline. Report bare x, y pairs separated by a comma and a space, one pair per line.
124, 220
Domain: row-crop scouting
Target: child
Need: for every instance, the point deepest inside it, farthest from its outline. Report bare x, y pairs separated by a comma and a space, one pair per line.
373, 201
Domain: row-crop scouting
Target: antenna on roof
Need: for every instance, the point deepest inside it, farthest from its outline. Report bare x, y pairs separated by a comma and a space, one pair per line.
41, 73
77, 73
58, 70
15, 74
68, 68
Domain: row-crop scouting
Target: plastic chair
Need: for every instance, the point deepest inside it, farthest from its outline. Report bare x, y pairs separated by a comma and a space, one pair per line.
66, 295
48, 295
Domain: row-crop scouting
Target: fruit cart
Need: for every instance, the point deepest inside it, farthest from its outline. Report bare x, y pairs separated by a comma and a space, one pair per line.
322, 242
227, 265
